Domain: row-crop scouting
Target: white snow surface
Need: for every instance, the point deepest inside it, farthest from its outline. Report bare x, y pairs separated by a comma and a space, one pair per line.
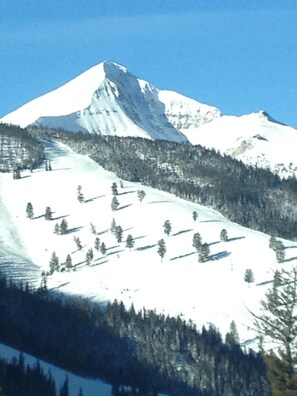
212, 292
255, 139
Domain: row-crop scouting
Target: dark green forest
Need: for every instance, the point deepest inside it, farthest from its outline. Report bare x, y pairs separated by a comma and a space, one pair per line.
19, 149
252, 197
151, 353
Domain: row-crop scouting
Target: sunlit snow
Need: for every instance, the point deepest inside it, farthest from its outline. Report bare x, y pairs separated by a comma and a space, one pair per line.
214, 291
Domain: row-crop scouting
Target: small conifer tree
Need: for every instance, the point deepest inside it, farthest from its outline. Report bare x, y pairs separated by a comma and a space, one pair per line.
103, 248
68, 262
203, 253
129, 242
249, 276
80, 195
29, 210
141, 195
224, 235
161, 248
197, 242
97, 244
167, 227
113, 226
63, 227
195, 215
77, 242
89, 256
119, 233
114, 203
54, 263
114, 188
48, 213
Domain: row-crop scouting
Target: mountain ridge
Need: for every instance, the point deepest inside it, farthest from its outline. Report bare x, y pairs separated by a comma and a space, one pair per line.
107, 99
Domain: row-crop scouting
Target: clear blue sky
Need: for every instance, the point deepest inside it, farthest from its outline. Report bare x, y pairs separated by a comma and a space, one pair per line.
238, 55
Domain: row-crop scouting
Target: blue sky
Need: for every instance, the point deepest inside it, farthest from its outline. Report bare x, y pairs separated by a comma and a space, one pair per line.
240, 56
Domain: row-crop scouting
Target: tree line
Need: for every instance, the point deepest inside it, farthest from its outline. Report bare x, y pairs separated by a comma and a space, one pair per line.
252, 197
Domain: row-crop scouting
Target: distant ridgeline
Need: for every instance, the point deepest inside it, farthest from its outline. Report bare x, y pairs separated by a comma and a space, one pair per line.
252, 197
18, 149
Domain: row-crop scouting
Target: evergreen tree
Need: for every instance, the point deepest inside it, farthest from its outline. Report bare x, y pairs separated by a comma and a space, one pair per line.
249, 276
103, 248
48, 213
277, 324
119, 233
63, 227
167, 227
129, 242
161, 248
89, 256
195, 215
68, 262
232, 337
64, 391
279, 251
80, 195
16, 173
114, 203
97, 244
224, 235
141, 195
93, 229
57, 229
114, 188
54, 263
43, 280
113, 226
203, 253
29, 210
197, 242
272, 242
78, 243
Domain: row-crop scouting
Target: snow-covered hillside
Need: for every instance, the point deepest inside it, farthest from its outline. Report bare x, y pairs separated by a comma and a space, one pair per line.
214, 291
255, 139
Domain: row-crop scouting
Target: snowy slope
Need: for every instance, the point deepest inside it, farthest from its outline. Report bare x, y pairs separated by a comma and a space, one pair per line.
203, 292
255, 139
109, 100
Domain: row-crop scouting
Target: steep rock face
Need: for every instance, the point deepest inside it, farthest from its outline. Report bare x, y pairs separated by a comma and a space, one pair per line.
185, 113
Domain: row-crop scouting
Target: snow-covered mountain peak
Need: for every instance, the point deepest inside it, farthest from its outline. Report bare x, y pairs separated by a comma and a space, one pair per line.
107, 99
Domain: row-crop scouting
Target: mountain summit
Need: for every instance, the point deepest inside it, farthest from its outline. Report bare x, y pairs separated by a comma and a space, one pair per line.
107, 99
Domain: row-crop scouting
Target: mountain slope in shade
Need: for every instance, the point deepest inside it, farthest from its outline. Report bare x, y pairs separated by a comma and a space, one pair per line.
109, 100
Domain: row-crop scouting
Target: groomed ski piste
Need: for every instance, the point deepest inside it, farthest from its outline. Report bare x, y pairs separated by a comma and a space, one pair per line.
210, 292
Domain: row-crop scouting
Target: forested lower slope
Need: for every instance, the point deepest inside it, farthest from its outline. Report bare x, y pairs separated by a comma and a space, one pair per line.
153, 353
252, 197
18, 149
